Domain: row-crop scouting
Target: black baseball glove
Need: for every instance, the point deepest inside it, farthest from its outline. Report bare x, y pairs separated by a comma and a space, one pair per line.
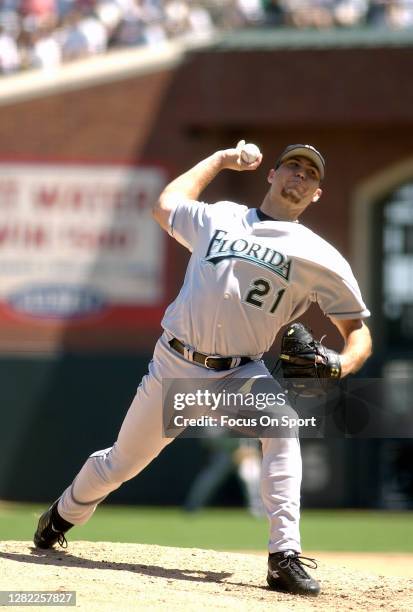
310, 368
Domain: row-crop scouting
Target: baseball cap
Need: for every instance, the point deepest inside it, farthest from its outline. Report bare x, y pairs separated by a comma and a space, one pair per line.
305, 150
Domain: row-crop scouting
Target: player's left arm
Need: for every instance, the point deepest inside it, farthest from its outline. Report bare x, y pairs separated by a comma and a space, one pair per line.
358, 344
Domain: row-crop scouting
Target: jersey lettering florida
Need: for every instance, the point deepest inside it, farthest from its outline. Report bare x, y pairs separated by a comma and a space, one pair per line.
247, 278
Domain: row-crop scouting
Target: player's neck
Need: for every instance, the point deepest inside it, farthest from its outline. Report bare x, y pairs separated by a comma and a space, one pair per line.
278, 210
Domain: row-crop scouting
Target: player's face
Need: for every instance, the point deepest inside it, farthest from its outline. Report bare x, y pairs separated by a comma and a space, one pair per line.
297, 180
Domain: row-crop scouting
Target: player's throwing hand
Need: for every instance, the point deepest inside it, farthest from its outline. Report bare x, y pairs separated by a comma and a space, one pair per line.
245, 156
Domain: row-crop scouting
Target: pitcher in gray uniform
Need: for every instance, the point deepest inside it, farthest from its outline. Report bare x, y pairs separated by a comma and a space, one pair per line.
251, 272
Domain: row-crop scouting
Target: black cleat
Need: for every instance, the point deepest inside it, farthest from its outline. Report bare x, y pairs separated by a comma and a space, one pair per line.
287, 574
51, 529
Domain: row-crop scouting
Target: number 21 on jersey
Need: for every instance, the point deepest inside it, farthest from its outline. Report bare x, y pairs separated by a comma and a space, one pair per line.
260, 295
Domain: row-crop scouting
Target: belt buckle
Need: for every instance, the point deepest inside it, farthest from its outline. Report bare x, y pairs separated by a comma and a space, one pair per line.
206, 362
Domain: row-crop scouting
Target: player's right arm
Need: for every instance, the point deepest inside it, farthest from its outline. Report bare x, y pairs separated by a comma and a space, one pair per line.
191, 184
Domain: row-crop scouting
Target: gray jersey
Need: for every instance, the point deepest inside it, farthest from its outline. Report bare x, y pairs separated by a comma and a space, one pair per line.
247, 278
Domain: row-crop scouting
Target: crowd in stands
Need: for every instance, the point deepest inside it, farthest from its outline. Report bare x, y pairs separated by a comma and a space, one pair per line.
46, 33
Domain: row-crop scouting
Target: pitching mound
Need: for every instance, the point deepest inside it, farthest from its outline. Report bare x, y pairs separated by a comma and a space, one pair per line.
109, 576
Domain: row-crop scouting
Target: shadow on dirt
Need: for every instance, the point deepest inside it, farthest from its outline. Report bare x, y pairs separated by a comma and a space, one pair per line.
64, 559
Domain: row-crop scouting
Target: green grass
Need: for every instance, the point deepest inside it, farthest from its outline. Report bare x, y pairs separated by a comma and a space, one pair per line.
224, 529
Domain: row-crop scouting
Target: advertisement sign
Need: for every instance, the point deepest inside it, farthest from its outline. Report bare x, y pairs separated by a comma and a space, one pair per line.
78, 243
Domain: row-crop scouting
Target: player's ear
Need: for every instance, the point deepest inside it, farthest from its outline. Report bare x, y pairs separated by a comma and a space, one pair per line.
270, 176
317, 195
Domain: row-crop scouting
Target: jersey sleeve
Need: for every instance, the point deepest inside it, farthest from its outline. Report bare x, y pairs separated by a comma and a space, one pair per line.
189, 218
186, 220
339, 295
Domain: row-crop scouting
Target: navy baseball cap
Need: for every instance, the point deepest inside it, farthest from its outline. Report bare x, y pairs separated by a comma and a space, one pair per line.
304, 150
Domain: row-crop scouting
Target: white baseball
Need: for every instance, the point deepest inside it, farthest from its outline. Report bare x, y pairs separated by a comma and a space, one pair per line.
250, 153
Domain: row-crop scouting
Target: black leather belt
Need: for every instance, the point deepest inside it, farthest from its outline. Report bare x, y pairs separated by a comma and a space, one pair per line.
212, 363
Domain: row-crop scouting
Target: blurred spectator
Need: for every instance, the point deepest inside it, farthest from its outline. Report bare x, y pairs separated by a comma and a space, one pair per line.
73, 40
399, 14
10, 21
200, 21
227, 456
376, 13
309, 13
393, 14
176, 17
95, 33
44, 50
9, 53
274, 12
141, 22
226, 15
110, 14
349, 13
252, 11
65, 6
43, 33
131, 27
42, 10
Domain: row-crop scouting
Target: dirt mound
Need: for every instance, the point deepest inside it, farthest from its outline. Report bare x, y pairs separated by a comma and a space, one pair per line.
111, 576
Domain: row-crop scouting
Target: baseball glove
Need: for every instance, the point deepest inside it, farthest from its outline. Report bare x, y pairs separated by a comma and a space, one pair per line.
310, 368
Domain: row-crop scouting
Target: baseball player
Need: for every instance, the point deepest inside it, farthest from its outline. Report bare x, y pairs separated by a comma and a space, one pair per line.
226, 456
251, 271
